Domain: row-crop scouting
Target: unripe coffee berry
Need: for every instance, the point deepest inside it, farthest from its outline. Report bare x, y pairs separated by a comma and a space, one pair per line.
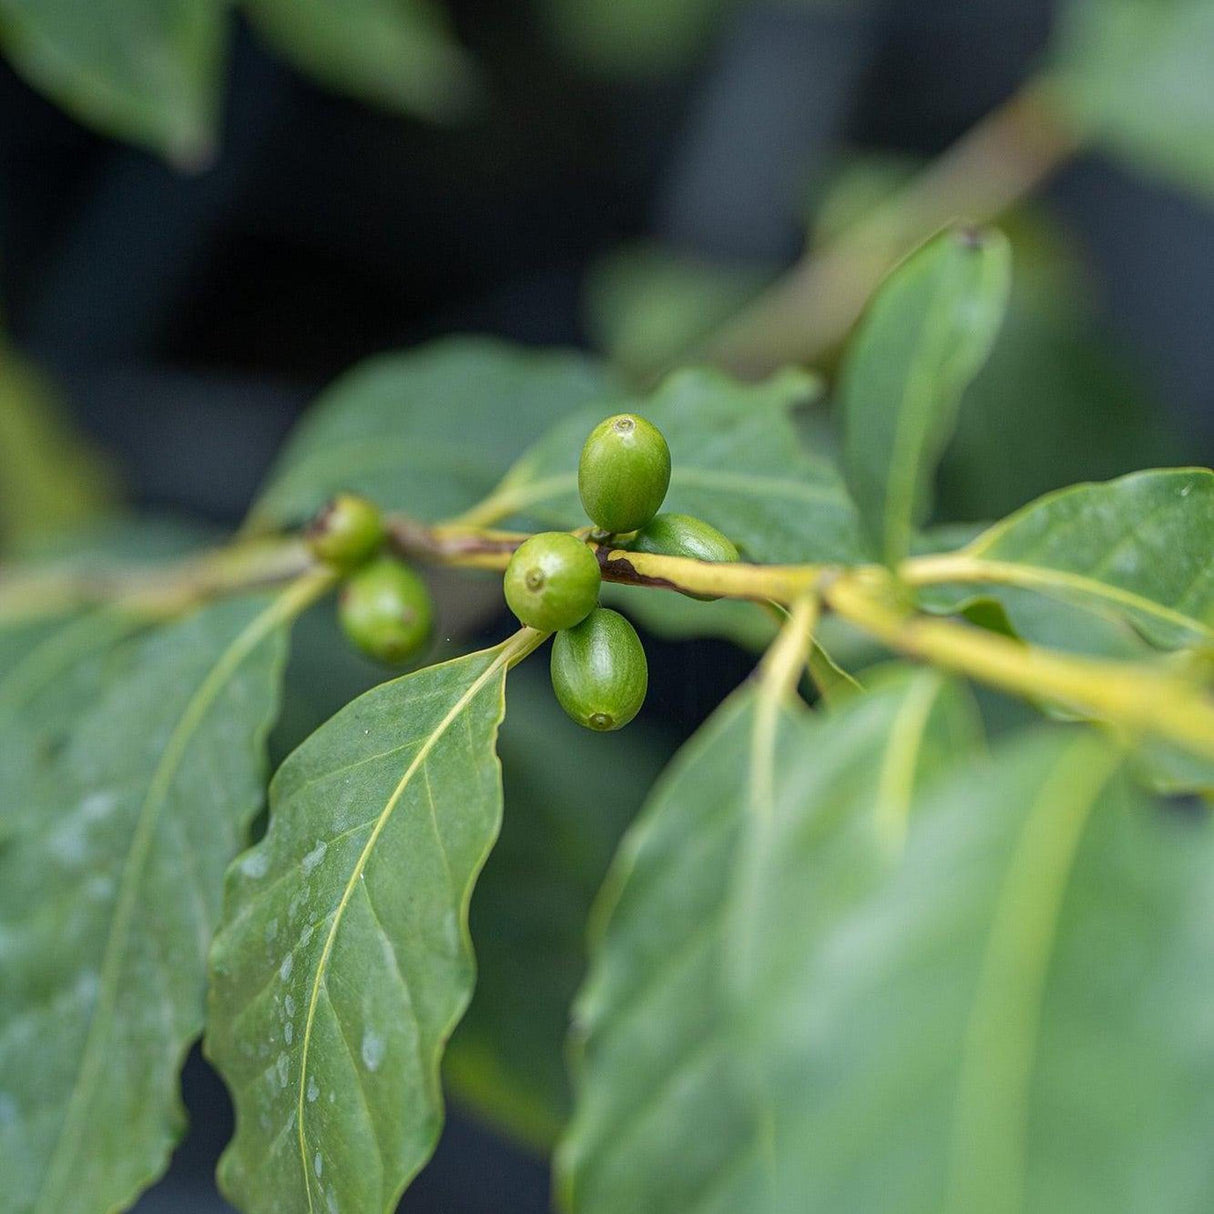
552, 581
599, 672
687, 536
385, 611
623, 473
347, 532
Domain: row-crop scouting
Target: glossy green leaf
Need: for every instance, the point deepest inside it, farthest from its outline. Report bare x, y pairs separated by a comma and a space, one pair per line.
148, 71
925, 336
1017, 1020
427, 432
344, 960
1135, 76
1133, 551
109, 890
506, 1061
667, 1114
400, 54
736, 461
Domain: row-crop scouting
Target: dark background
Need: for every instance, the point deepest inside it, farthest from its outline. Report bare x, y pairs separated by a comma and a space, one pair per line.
191, 319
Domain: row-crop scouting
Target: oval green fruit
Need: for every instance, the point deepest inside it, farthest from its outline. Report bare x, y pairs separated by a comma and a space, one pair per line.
552, 581
347, 532
687, 536
599, 672
623, 473
385, 610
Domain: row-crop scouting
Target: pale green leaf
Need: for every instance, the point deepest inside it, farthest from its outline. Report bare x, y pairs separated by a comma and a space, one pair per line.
110, 886
344, 960
427, 432
667, 1114
148, 71
1017, 1021
925, 335
1075, 565
399, 54
736, 462
1135, 76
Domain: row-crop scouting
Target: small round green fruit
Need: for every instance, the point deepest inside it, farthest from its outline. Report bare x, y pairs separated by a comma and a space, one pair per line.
599, 672
552, 581
687, 536
385, 610
623, 473
347, 532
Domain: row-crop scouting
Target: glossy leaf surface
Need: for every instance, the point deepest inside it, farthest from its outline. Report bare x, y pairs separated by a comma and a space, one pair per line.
344, 962
136, 798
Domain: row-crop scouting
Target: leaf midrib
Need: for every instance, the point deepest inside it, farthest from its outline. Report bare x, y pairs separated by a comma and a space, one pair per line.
495, 667
158, 788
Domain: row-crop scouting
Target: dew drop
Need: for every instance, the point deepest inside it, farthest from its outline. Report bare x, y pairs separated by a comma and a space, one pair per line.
284, 970
318, 1164
314, 857
373, 1049
313, 1089
256, 864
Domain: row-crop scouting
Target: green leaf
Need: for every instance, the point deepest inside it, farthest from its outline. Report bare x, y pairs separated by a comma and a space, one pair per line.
736, 462
400, 54
1133, 551
109, 889
661, 1076
427, 432
507, 1058
344, 960
926, 334
148, 71
1134, 75
1017, 1020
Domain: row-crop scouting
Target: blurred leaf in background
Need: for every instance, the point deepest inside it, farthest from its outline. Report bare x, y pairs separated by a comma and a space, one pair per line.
148, 71
50, 478
398, 54
1136, 76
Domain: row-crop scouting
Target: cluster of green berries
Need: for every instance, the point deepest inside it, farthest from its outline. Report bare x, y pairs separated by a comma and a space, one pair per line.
384, 608
599, 671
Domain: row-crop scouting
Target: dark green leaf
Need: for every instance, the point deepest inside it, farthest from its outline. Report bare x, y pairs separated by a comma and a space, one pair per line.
427, 432
109, 889
925, 336
344, 960
1135, 75
1017, 1020
736, 462
662, 1077
1133, 551
149, 71
400, 54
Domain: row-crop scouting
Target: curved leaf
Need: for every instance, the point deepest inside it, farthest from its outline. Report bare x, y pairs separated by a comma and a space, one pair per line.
736, 461
396, 53
1136, 550
925, 335
344, 961
149, 71
1018, 1020
667, 1115
427, 432
109, 888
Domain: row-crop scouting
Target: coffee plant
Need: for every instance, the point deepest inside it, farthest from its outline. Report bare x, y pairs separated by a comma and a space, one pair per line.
851, 956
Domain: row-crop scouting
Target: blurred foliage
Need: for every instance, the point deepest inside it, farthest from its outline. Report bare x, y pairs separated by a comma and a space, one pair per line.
50, 478
1136, 76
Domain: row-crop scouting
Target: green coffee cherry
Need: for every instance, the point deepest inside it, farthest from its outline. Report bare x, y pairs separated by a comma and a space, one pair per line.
385, 611
685, 535
347, 532
552, 581
624, 473
599, 672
